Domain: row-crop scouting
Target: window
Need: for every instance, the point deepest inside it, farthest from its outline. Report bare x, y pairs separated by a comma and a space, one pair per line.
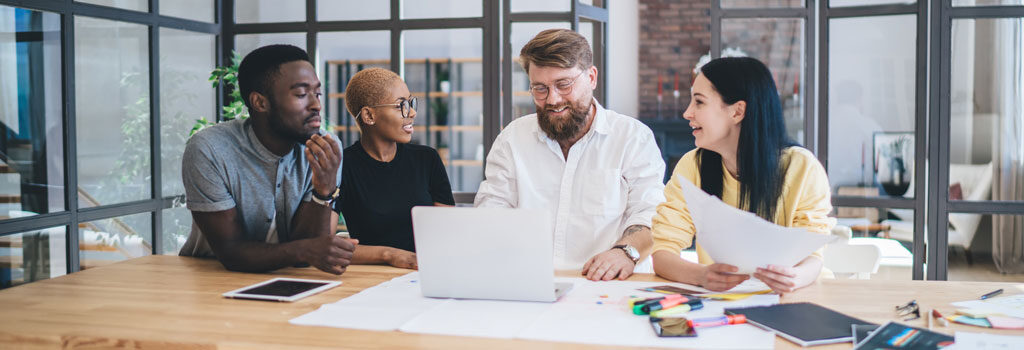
779, 43
32, 256
985, 164
136, 84
113, 163
197, 10
107, 241
344, 54
31, 146
266, 11
444, 68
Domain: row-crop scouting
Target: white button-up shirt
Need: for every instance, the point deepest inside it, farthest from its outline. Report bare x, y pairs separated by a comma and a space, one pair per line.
611, 180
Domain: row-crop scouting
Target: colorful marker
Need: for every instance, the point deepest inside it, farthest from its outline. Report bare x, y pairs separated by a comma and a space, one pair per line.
638, 304
668, 303
662, 304
717, 321
678, 310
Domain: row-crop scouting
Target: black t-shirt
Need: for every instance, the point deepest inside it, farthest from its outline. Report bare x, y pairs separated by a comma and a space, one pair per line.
377, 197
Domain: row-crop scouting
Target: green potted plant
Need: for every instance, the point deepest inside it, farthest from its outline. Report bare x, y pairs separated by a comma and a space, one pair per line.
236, 108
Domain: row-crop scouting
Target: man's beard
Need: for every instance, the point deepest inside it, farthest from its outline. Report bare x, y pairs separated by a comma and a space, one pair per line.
568, 128
278, 127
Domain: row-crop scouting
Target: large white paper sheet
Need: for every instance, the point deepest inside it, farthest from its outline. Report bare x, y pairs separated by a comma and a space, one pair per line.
384, 307
591, 313
579, 318
477, 318
1009, 305
984, 341
740, 238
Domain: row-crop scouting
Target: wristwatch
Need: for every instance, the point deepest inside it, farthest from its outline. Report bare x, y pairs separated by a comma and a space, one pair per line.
325, 201
631, 252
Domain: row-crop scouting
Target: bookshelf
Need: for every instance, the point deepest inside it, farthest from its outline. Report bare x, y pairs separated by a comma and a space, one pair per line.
449, 116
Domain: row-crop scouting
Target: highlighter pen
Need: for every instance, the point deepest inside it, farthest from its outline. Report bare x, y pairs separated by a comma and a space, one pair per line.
677, 310
669, 303
664, 304
717, 321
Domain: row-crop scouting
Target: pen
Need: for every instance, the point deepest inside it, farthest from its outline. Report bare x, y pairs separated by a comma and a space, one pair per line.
992, 294
717, 321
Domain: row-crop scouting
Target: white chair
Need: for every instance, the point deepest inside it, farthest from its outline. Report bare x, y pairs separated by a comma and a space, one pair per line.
856, 261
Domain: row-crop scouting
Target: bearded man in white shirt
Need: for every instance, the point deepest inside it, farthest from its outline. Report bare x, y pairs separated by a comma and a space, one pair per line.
598, 171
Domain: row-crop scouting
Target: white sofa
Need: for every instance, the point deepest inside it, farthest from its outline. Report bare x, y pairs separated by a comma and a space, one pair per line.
976, 184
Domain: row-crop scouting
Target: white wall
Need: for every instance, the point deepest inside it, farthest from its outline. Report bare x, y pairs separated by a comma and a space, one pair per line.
623, 58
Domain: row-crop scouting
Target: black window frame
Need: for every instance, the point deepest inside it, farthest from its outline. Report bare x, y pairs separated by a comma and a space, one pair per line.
932, 205
73, 215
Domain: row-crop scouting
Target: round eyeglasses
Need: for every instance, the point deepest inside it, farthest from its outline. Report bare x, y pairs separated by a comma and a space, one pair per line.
562, 87
405, 105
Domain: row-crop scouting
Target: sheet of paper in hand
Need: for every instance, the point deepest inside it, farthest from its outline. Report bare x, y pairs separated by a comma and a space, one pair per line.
743, 239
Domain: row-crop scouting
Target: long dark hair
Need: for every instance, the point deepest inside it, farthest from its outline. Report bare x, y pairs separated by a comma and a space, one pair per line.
762, 134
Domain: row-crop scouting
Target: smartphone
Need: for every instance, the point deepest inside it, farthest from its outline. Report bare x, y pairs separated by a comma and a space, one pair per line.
672, 327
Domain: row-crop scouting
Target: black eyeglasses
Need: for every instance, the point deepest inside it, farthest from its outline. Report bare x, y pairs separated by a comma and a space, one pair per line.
562, 87
909, 311
405, 105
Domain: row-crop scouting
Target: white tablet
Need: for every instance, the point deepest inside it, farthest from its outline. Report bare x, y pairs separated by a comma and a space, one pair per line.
282, 289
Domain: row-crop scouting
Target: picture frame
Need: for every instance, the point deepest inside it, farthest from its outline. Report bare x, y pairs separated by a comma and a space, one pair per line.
893, 160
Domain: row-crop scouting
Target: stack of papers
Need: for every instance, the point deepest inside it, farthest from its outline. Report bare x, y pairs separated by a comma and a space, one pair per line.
591, 313
1009, 305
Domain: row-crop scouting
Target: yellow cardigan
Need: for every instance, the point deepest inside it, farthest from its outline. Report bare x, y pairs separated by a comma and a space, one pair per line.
806, 201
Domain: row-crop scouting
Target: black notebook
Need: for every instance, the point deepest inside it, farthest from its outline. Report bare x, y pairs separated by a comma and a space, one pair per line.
803, 323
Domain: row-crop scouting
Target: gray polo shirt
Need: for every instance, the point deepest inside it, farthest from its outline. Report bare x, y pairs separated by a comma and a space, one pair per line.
225, 166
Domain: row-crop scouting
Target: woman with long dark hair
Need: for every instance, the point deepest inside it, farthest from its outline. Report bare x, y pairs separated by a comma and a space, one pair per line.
744, 157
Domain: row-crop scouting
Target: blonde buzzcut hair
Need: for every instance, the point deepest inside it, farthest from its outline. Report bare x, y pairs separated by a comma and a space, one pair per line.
561, 48
369, 87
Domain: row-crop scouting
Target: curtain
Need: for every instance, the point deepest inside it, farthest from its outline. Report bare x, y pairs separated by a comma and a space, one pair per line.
1008, 178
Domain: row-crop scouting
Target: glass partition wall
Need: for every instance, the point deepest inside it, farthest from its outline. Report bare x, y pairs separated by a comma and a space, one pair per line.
916, 115
97, 99
873, 125
979, 202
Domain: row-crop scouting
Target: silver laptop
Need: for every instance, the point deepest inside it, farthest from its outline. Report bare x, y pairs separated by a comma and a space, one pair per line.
486, 253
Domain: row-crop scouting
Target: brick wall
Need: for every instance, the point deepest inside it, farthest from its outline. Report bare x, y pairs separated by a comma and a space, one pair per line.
675, 33
673, 36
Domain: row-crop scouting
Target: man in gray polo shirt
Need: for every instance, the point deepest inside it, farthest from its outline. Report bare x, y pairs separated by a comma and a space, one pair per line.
260, 189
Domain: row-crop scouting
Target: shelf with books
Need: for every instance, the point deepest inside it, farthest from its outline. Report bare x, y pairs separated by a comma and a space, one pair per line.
449, 115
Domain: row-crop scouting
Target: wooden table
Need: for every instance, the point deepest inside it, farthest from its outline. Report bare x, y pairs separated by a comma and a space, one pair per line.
169, 302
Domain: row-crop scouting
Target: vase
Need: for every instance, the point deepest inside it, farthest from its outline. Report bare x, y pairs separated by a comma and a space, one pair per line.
894, 176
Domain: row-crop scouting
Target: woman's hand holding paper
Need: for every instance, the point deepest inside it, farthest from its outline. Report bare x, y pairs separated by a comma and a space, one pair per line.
721, 277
